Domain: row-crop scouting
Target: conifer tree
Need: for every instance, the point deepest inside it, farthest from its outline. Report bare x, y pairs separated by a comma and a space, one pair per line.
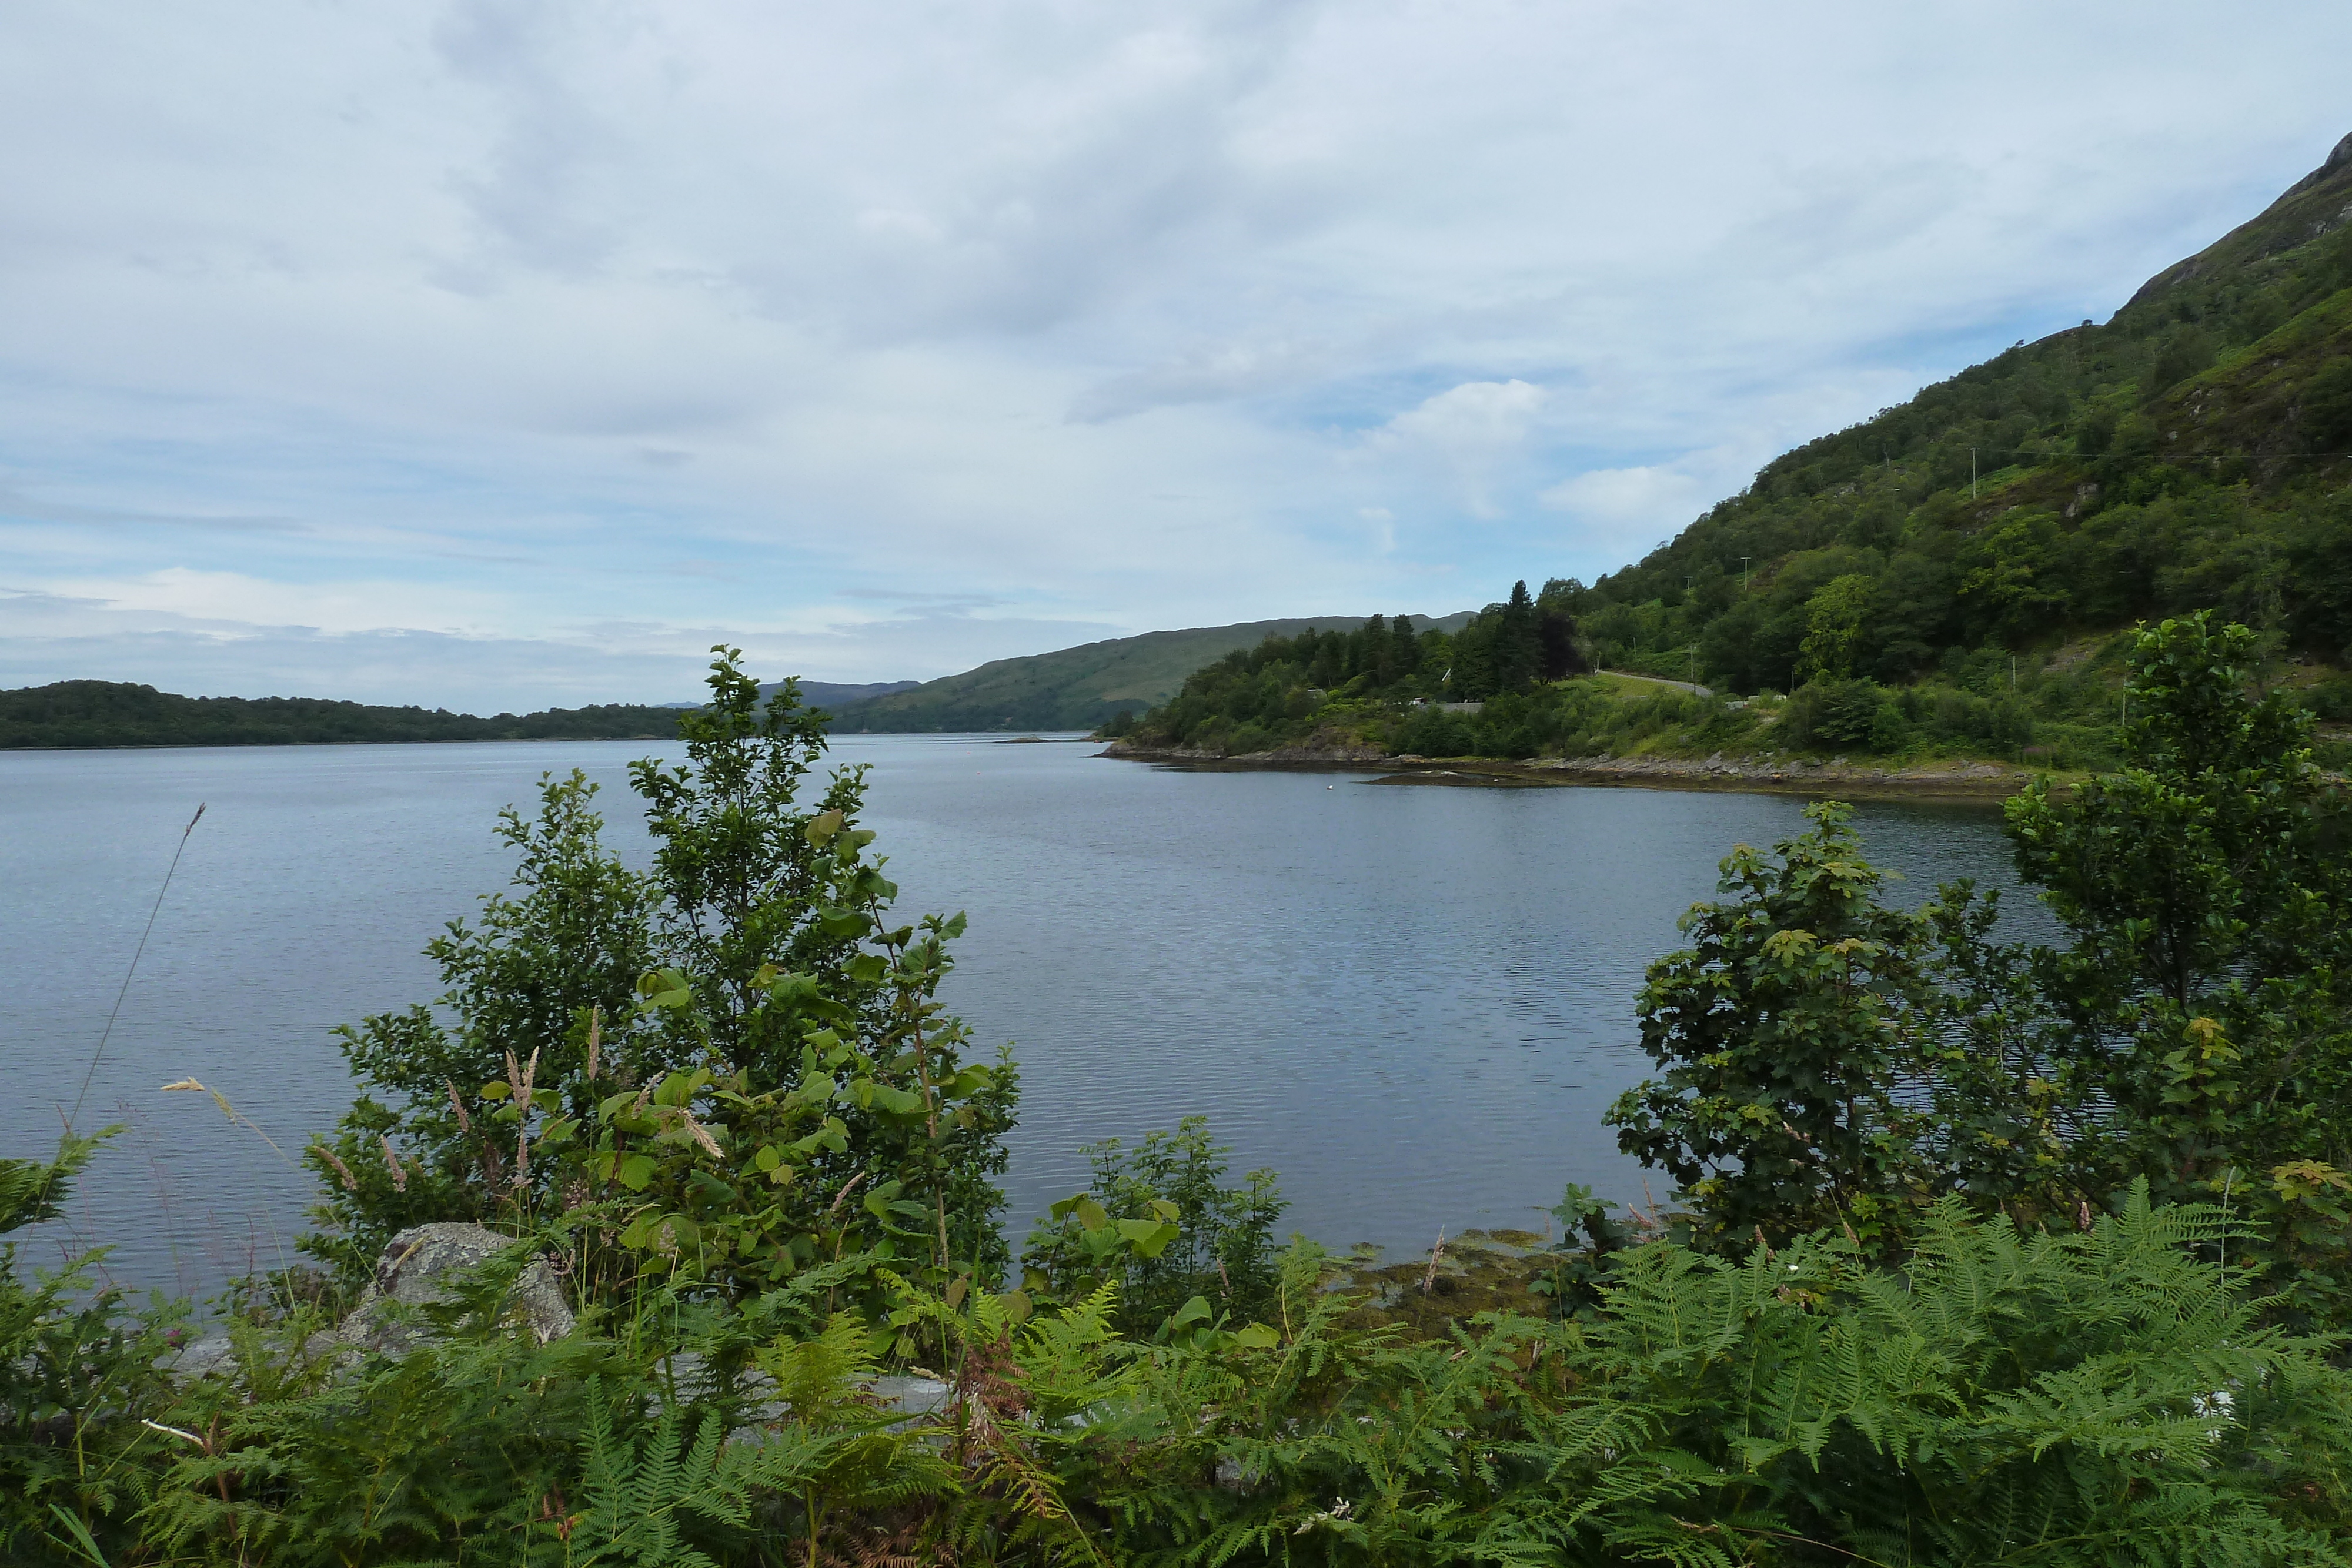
1517, 650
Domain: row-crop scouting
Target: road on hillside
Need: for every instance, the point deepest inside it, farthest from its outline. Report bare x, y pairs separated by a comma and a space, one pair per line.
1693, 689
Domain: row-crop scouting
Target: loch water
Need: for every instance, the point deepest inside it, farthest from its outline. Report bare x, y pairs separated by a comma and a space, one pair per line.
1413, 1002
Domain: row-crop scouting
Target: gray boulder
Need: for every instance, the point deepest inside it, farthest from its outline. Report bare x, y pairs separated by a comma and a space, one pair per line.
413, 1271
213, 1353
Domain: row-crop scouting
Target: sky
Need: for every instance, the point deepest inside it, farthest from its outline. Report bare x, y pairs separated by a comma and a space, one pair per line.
501, 354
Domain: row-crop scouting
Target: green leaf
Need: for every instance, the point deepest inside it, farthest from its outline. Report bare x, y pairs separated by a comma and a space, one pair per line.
665, 988
971, 1081
636, 1172
1150, 1237
1090, 1214
843, 923
898, 1102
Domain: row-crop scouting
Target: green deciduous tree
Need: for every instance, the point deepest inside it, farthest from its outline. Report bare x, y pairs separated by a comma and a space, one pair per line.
1830, 1061
710, 1056
2202, 997
1779, 1030
1833, 623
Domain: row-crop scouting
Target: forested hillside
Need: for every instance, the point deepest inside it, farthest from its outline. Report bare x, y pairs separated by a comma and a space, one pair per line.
2192, 451
1953, 575
117, 713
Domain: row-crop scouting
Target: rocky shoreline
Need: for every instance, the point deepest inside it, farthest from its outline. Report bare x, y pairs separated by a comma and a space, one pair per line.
1798, 776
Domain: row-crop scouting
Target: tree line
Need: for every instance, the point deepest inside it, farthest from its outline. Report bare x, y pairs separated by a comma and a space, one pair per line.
121, 713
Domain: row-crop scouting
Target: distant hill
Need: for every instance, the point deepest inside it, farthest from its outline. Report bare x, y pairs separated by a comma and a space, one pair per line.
2194, 451
1081, 687
835, 696
116, 713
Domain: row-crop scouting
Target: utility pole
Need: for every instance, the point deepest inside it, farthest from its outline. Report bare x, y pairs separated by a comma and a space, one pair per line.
1973, 473
1743, 571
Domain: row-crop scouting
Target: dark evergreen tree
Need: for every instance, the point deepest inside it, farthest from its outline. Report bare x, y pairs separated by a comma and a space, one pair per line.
1404, 647
1376, 659
1517, 647
1557, 655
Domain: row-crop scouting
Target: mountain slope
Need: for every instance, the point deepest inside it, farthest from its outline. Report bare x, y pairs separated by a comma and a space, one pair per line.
1943, 579
835, 696
1075, 688
2189, 453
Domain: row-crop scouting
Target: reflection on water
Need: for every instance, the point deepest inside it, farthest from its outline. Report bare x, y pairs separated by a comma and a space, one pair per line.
1412, 1002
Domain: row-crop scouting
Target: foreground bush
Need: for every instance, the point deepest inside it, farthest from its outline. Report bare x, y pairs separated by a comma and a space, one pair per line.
1999, 1397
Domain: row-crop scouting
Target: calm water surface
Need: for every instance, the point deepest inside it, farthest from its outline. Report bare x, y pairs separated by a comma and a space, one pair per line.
1414, 1002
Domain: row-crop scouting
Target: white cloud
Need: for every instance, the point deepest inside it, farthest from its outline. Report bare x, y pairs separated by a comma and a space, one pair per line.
1627, 504
500, 319
233, 598
1625, 513
1470, 431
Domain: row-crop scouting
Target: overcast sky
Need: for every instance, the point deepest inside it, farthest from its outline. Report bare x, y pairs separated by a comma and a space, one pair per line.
501, 355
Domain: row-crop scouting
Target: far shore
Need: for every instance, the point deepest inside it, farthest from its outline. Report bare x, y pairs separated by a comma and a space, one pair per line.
1959, 780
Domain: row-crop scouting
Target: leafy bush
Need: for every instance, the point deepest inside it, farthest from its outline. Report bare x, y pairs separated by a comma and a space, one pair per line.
1827, 1060
729, 1068
2003, 1397
1198, 1238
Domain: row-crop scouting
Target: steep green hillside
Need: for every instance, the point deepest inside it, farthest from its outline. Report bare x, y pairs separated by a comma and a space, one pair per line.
1077, 688
117, 713
2189, 453
1950, 576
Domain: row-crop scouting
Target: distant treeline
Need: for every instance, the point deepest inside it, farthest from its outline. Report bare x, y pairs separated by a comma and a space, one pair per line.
117, 713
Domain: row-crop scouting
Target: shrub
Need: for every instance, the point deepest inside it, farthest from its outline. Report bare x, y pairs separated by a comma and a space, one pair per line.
733, 1066
1221, 1250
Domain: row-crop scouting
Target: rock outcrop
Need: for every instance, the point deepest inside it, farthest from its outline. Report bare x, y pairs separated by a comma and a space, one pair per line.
413, 1272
